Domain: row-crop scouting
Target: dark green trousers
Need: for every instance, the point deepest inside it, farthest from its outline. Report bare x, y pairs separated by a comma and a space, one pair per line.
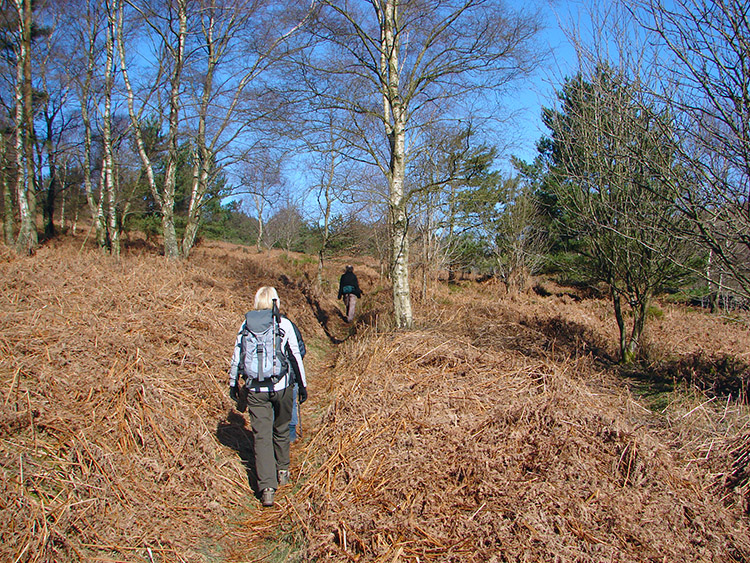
270, 414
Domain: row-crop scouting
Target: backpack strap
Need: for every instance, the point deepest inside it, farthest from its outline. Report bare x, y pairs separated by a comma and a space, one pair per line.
275, 320
259, 353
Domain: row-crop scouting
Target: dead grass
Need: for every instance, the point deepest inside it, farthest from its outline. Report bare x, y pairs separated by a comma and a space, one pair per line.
494, 432
115, 414
439, 449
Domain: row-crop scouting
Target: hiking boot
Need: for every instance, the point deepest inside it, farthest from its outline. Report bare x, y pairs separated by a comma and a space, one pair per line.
283, 477
266, 497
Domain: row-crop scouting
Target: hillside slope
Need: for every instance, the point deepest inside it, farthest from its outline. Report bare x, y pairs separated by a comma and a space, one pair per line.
491, 433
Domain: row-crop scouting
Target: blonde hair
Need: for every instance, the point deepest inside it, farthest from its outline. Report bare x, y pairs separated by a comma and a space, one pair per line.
264, 298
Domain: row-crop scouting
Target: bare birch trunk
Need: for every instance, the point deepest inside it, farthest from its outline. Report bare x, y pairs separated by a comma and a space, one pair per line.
88, 183
165, 198
394, 114
326, 234
52, 188
326, 217
108, 168
28, 110
193, 218
85, 93
27, 239
63, 199
198, 192
134, 116
259, 209
202, 154
171, 245
400, 239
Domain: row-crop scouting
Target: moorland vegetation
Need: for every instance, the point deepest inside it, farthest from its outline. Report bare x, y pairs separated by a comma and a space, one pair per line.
501, 428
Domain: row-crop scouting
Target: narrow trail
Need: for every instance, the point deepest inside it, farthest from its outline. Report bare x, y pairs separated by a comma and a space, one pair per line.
330, 316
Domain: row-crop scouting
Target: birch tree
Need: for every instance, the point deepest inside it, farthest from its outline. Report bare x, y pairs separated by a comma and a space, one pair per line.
7, 122
108, 162
86, 31
55, 123
336, 177
396, 66
263, 181
5, 179
52, 110
235, 45
168, 24
27, 238
93, 76
207, 89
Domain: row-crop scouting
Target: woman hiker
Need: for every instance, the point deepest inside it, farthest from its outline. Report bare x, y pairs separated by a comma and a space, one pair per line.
259, 356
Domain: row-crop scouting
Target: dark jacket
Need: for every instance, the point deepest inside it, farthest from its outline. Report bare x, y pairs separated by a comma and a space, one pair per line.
349, 284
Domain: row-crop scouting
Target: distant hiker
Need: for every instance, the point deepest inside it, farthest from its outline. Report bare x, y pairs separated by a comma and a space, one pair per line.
349, 290
264, 344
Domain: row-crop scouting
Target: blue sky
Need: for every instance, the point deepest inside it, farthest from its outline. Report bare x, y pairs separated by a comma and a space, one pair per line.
539, 90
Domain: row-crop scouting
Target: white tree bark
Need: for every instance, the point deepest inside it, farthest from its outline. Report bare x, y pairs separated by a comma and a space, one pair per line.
395, 126
177, 51
27, 239
201, 153
164, 196
8, 218
89, 34
223, 87
108, 169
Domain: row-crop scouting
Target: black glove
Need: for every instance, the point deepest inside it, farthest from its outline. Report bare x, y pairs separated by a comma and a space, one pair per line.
302, 394
234, 392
